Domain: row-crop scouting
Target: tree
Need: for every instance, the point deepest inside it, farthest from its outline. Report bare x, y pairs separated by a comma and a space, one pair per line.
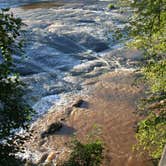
15, 113
147, 29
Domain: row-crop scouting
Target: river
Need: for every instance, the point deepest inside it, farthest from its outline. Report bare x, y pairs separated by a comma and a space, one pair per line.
66, 43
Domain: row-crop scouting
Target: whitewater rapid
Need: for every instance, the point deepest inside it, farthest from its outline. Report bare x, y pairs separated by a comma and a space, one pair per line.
66, 43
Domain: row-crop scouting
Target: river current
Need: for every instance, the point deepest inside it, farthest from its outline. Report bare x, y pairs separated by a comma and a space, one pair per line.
66, 43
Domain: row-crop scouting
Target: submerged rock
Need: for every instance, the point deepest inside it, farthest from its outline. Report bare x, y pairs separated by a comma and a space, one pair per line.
54, 127
81, 104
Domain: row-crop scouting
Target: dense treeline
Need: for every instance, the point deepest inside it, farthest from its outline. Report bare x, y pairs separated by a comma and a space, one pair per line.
147, 29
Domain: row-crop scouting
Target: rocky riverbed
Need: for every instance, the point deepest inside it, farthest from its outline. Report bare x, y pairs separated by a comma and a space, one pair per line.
69, 46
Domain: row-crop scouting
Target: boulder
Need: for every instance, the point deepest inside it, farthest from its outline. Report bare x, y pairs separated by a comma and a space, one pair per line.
51, 156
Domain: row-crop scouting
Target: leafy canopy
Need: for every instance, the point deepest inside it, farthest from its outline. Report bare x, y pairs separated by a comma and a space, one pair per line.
14, 112
147, 31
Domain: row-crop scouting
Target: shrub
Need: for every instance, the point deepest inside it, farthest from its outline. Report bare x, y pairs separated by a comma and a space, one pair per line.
147, 30
111, 6
152, 134
90, 154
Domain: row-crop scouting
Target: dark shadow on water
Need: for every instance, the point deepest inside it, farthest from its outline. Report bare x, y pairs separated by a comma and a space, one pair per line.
58, 128
87, 40
81, 104
66, 130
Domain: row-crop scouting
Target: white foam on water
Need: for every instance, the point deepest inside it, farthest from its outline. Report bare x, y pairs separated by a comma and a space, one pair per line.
45, 103
53, 33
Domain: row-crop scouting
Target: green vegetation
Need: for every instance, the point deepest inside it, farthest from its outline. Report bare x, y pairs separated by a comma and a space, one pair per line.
14, 111
111, 6
90, 154
147, 28
151, 134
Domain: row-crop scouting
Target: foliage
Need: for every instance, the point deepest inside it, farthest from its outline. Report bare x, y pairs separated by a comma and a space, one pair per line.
85, 154
14, 111
152, 135
148, 29
9, 43
147, 32
7, 151
155, 74
111, 6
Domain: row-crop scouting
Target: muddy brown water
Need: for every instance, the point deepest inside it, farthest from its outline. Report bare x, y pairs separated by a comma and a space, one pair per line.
46, 5
111, 117
111, 105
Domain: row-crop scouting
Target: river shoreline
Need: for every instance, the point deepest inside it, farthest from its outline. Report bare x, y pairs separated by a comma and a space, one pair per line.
71, 57
110, 107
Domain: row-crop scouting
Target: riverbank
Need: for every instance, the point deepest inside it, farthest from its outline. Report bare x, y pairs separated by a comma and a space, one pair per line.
108, 113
